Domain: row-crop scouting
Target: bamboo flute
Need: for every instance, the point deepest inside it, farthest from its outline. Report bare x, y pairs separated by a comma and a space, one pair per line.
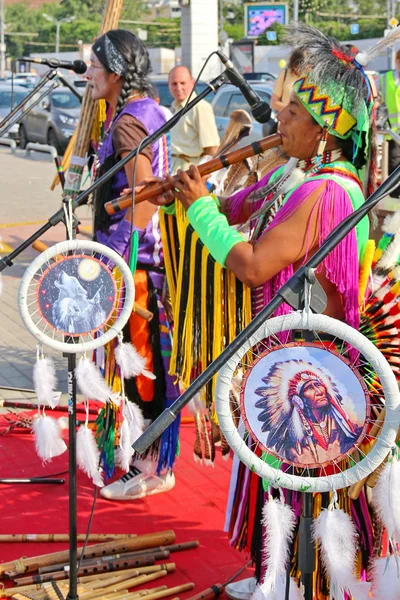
96, 570
171, 591
127, 555
63, 537
32, 579
155, 189
12, 568
128, 583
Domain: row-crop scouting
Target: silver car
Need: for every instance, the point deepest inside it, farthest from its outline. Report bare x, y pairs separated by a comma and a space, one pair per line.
229, 98
52, 121
7, 102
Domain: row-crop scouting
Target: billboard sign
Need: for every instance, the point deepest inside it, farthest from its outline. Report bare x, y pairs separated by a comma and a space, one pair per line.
259, 16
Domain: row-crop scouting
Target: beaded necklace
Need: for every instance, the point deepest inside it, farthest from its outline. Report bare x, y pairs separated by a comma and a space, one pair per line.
314, 164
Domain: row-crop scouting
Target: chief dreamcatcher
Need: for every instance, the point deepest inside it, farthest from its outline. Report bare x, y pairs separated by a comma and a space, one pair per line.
311, 416
75, 297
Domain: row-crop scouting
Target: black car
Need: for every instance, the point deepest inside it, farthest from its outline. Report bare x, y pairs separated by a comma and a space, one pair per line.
52, 121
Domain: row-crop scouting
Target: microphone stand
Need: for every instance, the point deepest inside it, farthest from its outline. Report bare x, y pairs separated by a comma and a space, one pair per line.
15, 115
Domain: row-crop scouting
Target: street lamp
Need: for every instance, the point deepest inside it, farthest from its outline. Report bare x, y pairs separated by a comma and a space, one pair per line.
58, 25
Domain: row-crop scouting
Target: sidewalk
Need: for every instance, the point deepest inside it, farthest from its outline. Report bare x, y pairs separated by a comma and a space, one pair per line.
27, 204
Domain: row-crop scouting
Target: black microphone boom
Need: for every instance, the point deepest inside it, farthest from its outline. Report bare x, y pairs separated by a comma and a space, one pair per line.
260, 110
78, 66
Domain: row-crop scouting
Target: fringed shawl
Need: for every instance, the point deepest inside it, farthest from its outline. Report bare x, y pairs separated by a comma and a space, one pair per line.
341, 266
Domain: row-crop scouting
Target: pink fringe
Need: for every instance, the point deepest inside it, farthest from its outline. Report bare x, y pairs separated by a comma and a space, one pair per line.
341, 265
238, 211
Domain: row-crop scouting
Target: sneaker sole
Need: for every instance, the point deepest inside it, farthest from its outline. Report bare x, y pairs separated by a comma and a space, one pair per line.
139, 496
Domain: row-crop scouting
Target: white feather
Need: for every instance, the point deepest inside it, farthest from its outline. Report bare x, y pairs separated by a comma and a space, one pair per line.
131, 362
386, 578
124, 453
279, 522
91, 382
337, 537
391, 223
364, 58
132, 427
48, 441
45, 382
88, 455
196, 405
385, 497
295, 592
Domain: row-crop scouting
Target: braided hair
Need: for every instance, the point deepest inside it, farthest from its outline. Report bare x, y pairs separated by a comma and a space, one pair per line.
128, 50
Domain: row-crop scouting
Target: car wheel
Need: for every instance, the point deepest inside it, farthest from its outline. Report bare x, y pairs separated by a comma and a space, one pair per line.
53, 141
23, 138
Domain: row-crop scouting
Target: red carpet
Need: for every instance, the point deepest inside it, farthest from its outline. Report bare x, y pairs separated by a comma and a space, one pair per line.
194, 509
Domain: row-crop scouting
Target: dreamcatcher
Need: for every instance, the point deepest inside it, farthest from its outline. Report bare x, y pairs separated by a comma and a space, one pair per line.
307, 406
75, 297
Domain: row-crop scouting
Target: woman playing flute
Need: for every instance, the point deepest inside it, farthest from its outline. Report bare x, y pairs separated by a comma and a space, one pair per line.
119, 73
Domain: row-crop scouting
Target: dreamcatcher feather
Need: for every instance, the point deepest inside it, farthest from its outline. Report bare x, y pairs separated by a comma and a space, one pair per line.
386, 578
46, 430
336, 534
279, 522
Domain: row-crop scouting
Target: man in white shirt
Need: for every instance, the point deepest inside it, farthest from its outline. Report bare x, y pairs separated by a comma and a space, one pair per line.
195, 135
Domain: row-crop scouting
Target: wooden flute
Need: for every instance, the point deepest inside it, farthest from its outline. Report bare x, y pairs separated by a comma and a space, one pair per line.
154, 189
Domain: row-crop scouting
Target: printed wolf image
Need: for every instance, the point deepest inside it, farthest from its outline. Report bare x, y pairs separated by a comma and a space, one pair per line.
302, 416
75, 303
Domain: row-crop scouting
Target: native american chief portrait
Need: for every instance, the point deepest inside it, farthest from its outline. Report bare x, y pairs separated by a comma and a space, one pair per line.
302, 414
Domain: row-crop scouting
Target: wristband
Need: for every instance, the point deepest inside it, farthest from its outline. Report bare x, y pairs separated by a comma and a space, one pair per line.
213, 228
169, 209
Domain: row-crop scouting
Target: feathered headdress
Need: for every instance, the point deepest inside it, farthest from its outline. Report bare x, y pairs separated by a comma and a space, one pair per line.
334, 87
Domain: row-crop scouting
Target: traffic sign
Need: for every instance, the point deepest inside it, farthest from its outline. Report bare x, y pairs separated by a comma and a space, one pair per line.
354, 28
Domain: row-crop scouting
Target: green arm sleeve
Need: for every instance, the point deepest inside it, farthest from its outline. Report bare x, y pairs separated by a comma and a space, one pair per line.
213, 228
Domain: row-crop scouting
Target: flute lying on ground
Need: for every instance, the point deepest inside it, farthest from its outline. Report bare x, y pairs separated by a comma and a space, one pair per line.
155, 189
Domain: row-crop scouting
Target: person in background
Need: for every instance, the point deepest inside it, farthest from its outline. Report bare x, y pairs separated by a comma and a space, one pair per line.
389, 83
285, 80
195, 136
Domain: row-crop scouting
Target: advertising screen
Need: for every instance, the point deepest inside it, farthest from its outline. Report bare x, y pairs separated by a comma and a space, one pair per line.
260, 17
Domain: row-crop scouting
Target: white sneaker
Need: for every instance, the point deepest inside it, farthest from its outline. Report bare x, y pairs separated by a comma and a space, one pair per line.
144, 484
241, 590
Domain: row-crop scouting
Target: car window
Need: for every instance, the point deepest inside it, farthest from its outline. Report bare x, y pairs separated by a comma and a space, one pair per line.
5, 98
64, 99
221, 104
165, 95
238, 102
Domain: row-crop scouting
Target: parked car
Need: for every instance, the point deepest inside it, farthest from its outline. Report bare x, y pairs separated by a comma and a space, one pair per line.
7, 102
52, 121
229, 98
165, 95
253, 76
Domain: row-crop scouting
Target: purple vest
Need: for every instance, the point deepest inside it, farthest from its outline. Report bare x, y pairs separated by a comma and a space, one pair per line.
148, 112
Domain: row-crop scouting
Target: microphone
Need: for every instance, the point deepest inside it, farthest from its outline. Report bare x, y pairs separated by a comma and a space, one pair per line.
78, 66
260, 110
